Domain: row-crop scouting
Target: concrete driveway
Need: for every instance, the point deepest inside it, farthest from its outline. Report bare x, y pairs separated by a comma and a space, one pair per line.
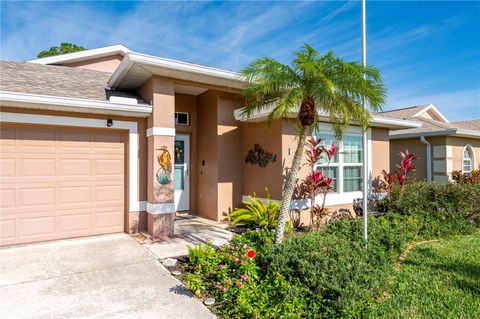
108, 276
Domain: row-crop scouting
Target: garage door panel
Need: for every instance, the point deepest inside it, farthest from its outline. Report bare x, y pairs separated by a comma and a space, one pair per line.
7, 167
36, 138
114, 167
71, 185
7, 197
108, 220
32, 167
75, 222
75, 195
37, 196
8, 229
42, 226
77, 140
74, 167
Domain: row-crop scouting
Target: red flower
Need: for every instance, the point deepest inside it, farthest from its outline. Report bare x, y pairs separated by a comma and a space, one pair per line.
239, 285
251, 254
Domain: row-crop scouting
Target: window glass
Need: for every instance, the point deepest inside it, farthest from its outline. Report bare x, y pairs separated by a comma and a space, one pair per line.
352, 179
467, 160
352, 149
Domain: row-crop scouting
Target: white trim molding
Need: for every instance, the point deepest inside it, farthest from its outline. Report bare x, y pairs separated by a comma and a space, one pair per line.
161, 131
160, 208
23, 118
83, 55
69, 104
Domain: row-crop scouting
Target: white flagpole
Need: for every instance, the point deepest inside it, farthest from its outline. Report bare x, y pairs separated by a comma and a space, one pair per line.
365, 140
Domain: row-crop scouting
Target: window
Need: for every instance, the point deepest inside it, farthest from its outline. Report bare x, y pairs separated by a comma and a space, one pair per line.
346, 167
467, 160
182, 118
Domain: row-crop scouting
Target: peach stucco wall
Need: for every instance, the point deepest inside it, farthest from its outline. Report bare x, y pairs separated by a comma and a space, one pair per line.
207, 194
257, 178
104, 64
458, 144
414, 145
134, 220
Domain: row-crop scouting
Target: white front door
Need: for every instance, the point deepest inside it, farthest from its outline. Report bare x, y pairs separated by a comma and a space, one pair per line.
182, 172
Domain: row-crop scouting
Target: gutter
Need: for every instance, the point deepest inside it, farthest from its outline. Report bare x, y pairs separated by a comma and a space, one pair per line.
465, 133
57, 103
429, 157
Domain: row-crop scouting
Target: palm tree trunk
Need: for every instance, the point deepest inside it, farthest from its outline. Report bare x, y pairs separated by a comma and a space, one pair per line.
289, 186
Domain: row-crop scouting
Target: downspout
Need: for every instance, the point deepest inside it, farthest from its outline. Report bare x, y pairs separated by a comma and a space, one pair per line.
428, 158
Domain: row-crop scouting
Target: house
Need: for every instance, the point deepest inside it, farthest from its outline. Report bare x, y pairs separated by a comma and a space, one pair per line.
110, 140
442, 146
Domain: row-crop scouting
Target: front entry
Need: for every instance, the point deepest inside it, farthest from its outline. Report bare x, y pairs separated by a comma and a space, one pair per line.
182, 172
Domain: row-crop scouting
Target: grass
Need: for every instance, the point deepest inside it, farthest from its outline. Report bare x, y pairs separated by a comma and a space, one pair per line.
438, 279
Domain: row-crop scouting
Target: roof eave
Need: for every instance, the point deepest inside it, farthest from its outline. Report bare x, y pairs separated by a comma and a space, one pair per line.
376, 121
83, 55
231, 79
456, 132
68, 104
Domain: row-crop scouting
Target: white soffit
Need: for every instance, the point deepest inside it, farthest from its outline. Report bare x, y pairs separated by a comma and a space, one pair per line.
137, 68
188, 89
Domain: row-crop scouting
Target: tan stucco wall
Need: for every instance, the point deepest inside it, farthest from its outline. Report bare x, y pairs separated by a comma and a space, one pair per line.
207, 194
256, 178
188, 103
230, 155
104, 64
380, 151
458, 144
135, 220
414, 145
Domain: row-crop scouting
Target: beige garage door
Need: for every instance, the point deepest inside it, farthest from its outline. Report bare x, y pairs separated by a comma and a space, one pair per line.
59, 182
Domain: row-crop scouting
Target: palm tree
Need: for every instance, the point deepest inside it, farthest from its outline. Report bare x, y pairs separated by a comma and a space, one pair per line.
312, 85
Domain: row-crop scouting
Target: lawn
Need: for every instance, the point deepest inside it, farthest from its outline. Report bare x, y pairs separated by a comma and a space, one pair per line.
438, 279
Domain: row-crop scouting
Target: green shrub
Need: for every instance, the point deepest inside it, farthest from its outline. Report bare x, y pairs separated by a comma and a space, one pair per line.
221, 273
440, 201
256, 213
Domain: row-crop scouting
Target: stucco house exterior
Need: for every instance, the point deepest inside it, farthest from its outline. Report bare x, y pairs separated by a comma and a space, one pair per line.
442, 146
110, 140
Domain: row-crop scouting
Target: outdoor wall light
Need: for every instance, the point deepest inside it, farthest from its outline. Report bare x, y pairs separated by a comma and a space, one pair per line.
109, 123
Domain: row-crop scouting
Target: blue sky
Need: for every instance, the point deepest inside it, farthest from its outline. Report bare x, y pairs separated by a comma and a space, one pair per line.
428, 52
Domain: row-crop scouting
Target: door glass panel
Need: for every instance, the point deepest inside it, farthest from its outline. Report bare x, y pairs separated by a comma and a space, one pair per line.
179, 152
178, 177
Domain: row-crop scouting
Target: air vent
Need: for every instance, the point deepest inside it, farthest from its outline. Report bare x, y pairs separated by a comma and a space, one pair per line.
182, 118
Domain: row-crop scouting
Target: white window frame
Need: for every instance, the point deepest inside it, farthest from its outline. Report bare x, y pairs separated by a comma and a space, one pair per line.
340, 197
468, 149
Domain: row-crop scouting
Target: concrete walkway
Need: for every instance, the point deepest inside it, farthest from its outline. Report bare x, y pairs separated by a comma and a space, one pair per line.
189, 231
108, 276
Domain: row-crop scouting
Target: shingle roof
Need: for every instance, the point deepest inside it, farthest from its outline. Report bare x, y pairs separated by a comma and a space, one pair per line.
52, 80
404, 113
429, 125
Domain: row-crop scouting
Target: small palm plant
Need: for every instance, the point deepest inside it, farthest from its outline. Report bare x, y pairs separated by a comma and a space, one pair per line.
312, 86
256, 213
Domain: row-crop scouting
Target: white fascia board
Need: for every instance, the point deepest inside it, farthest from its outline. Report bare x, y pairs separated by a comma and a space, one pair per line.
466, 133
376, 121
418, 134
435, 110
82, 55
72, 104
133, 58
